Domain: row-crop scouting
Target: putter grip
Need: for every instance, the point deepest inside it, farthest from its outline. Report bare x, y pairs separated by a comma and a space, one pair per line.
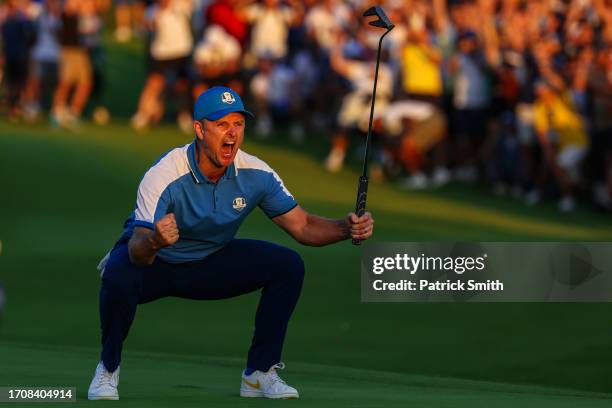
362, 196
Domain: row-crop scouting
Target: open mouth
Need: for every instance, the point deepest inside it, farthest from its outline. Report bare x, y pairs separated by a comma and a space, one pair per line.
227, 149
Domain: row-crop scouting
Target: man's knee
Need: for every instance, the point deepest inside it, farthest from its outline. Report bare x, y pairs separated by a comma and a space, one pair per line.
291, 266
120, 277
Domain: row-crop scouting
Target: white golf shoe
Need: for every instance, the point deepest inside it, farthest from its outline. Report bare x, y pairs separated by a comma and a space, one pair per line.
104, 384
267, 385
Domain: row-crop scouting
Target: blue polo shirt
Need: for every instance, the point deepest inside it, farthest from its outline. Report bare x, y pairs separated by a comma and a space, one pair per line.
208, 214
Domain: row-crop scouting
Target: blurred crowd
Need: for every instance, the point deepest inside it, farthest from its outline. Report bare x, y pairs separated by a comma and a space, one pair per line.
52, 58
513, 94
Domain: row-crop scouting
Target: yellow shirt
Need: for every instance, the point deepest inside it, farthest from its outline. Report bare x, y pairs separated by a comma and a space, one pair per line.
420, 74
561, 117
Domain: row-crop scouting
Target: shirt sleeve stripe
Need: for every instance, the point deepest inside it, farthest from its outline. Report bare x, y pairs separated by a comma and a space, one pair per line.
170, 168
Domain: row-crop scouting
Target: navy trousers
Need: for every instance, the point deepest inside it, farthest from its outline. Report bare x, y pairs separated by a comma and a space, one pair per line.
243, 266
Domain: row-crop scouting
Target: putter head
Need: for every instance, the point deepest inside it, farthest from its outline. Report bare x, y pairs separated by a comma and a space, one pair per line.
382, 21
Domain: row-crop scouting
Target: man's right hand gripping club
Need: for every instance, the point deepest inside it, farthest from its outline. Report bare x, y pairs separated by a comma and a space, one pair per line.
145, 243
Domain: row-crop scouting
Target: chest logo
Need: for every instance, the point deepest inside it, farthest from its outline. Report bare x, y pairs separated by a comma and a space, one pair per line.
239, 203
227, 97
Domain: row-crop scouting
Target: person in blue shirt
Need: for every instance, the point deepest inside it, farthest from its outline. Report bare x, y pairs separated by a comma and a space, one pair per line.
179, 241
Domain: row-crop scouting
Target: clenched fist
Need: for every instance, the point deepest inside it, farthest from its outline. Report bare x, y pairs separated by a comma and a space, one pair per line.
360, 227
166, 231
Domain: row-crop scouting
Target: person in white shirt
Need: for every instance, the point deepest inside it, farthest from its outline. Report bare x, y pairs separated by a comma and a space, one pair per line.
323, 21
270, 22
217, 61
170, 49
45, 57
355, 109
275, 91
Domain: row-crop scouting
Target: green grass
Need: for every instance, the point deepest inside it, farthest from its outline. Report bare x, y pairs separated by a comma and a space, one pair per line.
65, 195
162, 380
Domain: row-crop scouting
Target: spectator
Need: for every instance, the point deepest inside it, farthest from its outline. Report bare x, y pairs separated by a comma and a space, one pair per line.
18, 36
170, 49
217, 60
91, 30
324, 20
75, 69
224, 13
470, 101
129, 16
274, 90
563, 141
420, 64
520, 60
415, 129
270, 26
397, 38
424, 124
308, 74
355, 109
45, 56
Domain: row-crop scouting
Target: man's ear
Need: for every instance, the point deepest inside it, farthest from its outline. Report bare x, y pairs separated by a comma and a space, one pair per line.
199, 129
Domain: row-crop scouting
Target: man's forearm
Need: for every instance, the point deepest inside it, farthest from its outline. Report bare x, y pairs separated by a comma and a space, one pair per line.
142, 248
320, 231
145, 243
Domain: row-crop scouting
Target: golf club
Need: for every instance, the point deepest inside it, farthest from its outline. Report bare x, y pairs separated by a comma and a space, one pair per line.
362, 189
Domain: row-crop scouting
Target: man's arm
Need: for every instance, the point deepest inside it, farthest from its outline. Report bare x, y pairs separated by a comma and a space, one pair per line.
145, 243
313, 230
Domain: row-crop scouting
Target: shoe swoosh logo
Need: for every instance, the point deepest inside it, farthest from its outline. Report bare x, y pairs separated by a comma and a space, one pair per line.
255, 385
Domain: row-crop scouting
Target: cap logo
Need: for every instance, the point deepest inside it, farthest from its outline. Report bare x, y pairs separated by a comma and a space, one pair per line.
228, 98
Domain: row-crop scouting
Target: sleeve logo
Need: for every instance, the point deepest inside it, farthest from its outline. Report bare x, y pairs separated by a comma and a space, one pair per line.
239, 203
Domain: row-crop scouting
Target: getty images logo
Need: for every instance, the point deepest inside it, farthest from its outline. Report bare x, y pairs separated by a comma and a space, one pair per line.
228, 98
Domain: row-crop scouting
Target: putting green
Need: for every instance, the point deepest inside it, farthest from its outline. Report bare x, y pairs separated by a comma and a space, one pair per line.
65, 196
163, 380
